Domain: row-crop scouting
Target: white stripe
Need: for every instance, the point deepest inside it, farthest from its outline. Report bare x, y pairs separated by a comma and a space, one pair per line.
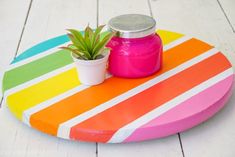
45, 104
35, 57
38, 79
42, 78
64, 128
176, 42
127, 130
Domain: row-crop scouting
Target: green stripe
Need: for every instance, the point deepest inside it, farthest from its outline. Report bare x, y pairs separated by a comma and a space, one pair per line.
36, 68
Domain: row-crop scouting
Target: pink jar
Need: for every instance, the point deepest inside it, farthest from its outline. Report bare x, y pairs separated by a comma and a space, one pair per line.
136, 50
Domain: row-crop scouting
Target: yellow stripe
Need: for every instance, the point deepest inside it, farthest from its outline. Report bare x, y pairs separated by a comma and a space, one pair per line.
168, 37
29, 97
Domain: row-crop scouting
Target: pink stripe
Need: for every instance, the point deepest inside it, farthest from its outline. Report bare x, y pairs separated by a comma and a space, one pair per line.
187, 114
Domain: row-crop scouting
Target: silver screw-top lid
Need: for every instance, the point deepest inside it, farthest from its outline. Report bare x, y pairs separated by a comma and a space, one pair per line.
132, 25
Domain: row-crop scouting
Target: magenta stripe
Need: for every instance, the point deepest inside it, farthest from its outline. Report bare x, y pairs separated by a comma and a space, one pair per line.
187, 114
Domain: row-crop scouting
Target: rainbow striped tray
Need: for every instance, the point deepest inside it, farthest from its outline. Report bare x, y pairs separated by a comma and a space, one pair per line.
42, 89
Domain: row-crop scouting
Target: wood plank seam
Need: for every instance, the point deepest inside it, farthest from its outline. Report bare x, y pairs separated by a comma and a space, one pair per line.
180, 141
1, 101
22, 32
150, 8
181, 145
21, 35
229, 22
97, 13
96, 149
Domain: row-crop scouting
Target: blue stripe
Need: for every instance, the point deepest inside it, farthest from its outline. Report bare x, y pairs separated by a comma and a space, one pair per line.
41, 47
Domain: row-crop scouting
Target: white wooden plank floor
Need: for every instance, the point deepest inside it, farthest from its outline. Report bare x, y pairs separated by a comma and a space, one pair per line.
27, 22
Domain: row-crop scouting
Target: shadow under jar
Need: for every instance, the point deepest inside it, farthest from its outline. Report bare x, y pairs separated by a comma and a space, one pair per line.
136, 49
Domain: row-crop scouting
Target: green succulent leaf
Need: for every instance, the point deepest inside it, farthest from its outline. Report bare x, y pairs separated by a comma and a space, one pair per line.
96, 37
103, 34
88, 37
78, 36
96, 42
75, 42
90, 32
101, 44
74, 51
87, 54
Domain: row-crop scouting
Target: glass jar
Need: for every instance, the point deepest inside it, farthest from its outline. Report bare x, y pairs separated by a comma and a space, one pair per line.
136, 50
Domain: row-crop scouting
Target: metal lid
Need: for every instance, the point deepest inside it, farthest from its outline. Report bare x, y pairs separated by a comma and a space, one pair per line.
132, 25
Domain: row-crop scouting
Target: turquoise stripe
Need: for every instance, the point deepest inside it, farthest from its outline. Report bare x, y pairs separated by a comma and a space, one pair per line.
41, 47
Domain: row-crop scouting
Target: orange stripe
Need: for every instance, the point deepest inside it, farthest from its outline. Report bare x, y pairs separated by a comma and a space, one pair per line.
108, 122
48, 120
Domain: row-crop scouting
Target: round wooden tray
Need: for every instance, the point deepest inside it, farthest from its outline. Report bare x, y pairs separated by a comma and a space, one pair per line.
42, 89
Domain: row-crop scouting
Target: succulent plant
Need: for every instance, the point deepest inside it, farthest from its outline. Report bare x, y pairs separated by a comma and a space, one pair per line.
90, 45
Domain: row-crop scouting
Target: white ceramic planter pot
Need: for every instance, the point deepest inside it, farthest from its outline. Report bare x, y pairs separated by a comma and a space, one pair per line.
92, 72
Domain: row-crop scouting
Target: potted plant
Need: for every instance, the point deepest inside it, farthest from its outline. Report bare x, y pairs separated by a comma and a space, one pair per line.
90, 54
